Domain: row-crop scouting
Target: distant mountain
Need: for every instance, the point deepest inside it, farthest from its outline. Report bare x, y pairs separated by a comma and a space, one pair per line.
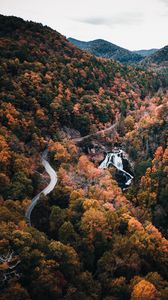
160, 56
157, 61
145, 52
106, 49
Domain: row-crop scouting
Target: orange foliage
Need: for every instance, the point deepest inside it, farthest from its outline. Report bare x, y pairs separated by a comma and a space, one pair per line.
134, 225
4, 151
9, 111
93, 221
61, 153
87, 168
145, 290
66, 179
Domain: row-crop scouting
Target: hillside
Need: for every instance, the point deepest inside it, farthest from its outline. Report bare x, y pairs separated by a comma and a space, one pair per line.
90, 238
102, 48
153, 59
145, 52
159, 56
158, 60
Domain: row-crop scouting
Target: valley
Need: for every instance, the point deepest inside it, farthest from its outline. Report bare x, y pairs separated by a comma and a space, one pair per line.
83, 160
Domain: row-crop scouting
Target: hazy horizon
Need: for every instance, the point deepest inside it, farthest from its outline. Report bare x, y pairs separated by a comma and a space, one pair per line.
141, 49
130, 24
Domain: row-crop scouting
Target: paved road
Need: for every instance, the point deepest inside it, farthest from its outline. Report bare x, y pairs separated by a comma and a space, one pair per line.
94, 134
53, 174
47, 190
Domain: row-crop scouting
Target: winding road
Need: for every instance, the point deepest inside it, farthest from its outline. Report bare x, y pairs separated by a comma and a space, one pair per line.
53, 174
47, 190
80, 139
113, 158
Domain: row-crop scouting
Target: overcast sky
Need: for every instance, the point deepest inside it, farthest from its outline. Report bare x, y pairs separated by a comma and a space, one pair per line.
133, 24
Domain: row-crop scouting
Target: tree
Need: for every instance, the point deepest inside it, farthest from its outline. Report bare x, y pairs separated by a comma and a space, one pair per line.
57, 218
4, 153
66, 257
94, 221
60, 152
4, 183
88, 170
8, 267
129, 123
15, 292
21, 186
67, 234
145, 290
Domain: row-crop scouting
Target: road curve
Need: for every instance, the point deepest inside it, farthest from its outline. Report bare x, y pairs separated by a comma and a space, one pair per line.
45, 191
53, 174
80, 139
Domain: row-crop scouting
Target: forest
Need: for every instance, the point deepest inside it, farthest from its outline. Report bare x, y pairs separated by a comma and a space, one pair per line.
89, 239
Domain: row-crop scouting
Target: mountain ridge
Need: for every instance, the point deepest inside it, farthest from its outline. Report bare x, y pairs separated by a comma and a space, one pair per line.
157, 61
103, 48
146, 52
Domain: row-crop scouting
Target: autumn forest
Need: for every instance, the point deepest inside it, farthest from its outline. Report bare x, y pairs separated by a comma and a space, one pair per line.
90, 238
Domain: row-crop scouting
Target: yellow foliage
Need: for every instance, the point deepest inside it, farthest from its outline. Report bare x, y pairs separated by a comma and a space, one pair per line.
91, 203
61, 153
129, 122
93, 221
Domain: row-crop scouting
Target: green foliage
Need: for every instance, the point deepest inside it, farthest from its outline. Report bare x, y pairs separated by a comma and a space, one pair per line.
141, 168
67, 234
57, 218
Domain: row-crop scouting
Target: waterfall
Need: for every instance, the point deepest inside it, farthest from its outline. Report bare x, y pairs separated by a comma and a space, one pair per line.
115, 158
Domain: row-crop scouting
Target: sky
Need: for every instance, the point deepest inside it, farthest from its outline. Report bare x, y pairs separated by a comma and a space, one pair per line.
132, 24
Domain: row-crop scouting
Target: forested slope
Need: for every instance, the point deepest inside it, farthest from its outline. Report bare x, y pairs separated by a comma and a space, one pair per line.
90, 239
